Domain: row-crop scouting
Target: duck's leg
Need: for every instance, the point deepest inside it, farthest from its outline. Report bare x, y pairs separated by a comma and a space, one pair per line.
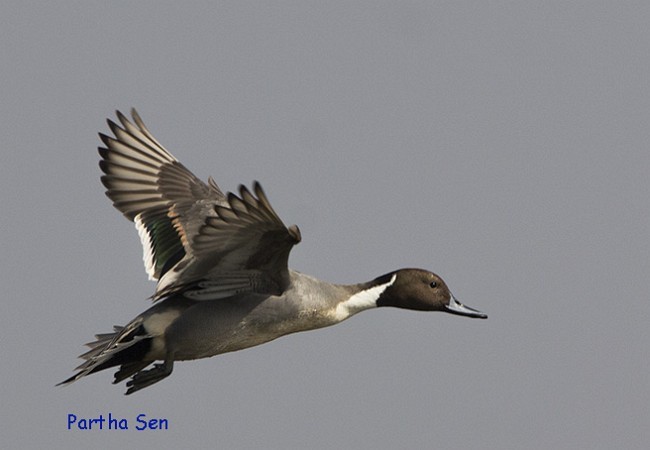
129, 369
146, 378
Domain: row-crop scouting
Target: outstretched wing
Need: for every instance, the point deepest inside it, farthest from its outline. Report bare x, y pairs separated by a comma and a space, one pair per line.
246, 238
190, 230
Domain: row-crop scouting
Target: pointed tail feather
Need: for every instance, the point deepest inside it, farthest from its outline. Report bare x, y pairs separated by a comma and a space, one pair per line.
125, 347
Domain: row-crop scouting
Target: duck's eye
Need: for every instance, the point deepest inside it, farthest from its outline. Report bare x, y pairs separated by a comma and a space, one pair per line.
433, 284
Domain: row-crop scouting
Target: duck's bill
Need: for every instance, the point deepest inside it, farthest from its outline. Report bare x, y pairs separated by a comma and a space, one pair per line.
456, 307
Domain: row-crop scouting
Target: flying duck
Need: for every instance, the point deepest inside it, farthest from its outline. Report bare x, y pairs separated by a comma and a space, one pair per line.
220, 261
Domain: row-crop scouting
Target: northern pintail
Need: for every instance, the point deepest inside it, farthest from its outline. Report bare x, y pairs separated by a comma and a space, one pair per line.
221, 265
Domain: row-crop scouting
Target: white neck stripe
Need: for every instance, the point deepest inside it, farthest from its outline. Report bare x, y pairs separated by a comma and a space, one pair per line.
362, 300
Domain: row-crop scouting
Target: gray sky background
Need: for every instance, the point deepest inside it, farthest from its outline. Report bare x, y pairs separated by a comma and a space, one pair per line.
503, 145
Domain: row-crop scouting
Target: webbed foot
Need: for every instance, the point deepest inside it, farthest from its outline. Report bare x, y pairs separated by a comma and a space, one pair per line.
146, 378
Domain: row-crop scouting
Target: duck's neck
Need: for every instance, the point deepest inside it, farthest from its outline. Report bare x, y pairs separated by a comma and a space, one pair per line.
365, 296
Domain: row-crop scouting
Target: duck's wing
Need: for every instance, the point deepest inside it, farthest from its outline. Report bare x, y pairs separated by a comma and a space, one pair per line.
188, 228
167, 202
245, 248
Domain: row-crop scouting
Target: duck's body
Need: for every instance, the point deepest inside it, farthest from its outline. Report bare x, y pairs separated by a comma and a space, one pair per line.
192, 329
221, 265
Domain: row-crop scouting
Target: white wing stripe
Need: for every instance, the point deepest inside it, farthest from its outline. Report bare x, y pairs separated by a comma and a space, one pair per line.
147, 246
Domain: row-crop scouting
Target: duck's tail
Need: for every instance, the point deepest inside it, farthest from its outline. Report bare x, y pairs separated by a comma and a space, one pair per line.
125, 347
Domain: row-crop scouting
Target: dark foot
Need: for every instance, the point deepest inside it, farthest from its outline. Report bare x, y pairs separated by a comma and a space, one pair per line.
146, 378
